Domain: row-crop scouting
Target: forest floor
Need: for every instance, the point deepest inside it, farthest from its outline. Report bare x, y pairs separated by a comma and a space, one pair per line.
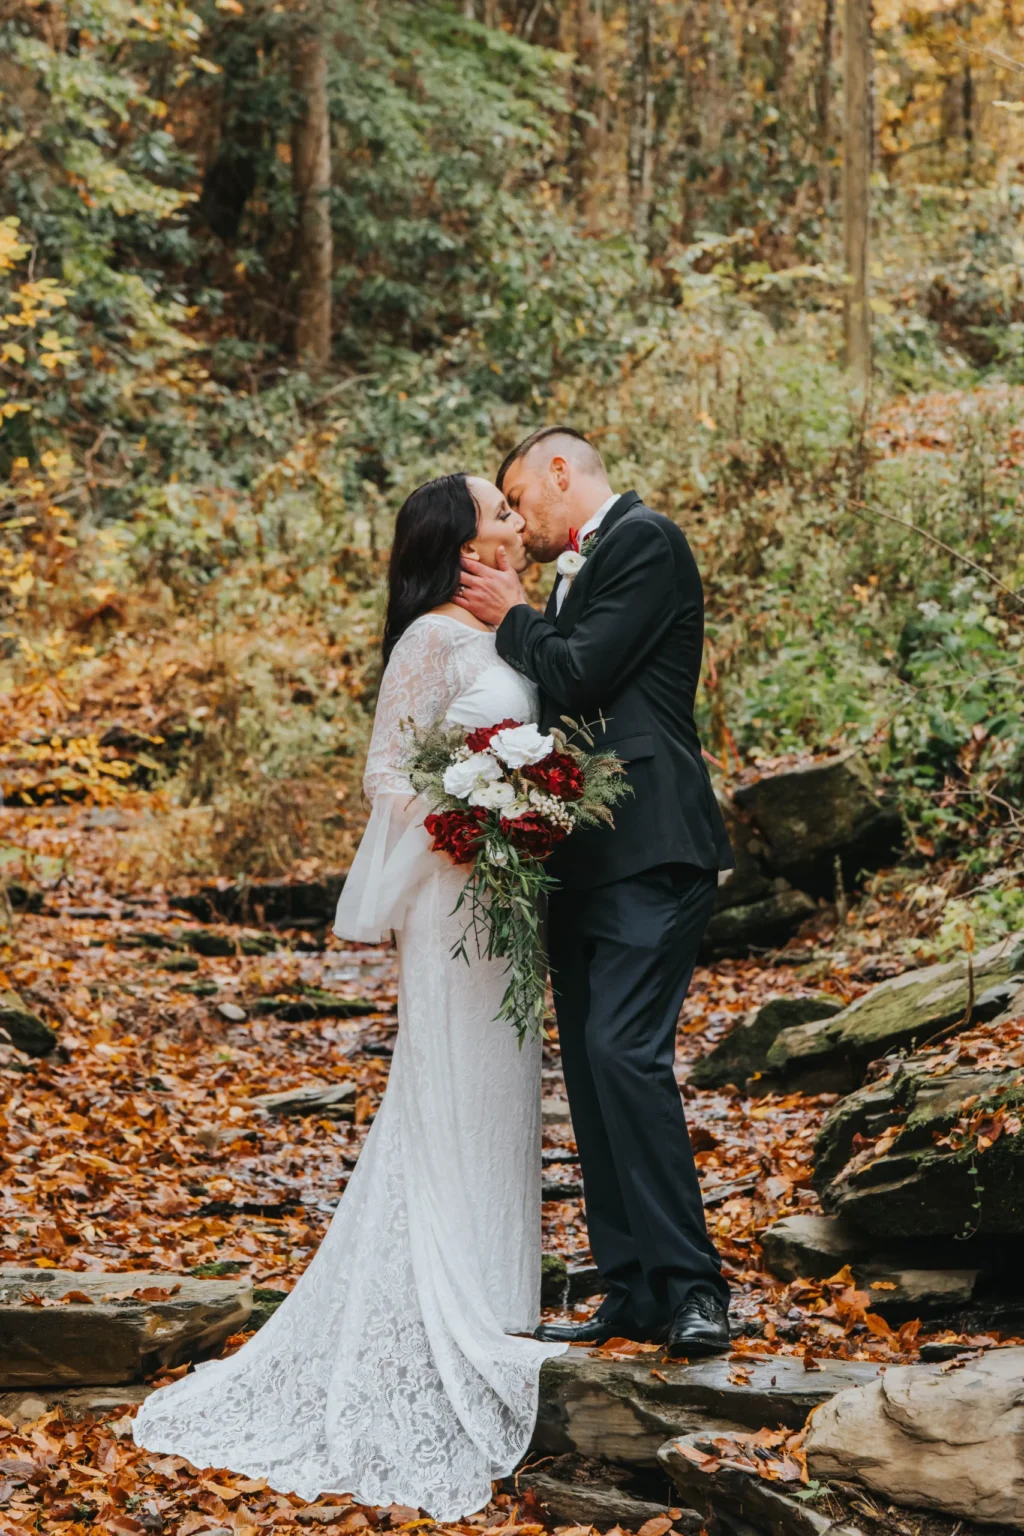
143, 1149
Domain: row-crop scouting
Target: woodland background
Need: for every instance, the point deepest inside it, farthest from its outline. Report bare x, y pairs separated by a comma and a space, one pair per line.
266, 267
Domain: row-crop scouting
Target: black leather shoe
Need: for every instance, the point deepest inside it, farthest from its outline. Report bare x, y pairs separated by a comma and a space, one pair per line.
700, 1327
596, 1330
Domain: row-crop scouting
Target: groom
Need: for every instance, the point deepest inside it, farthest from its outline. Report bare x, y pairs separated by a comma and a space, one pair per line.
619, 648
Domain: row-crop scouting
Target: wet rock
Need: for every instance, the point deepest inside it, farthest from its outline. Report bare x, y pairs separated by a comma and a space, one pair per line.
817, 811
744, 1051
720, 1490
115, 1327
832, 1054
25, 1029
932, 1439
616, 1409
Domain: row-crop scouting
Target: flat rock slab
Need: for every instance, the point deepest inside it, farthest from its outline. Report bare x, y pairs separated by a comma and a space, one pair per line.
929, 1438
815, 1247
759, 1506
575, 1503
114, 1328
329, 1099
74, 1402
617, 1409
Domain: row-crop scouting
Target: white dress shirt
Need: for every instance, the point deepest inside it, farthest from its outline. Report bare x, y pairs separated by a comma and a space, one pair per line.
591, 527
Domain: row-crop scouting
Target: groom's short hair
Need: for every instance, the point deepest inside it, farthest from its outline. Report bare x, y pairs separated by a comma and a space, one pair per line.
578, 448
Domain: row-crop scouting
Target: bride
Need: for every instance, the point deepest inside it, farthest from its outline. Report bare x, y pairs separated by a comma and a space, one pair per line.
397, 1370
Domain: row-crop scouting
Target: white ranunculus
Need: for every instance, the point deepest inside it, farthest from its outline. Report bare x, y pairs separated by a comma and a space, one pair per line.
461, 778
492, 796
515, 810
570, 563
520, 746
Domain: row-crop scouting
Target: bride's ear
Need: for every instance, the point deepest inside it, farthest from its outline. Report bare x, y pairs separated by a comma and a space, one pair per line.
469, 549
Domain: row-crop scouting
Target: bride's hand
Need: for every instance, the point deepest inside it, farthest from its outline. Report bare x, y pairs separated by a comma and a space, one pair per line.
489, 592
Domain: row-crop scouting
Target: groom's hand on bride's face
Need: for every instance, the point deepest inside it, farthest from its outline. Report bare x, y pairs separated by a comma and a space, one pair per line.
489, 592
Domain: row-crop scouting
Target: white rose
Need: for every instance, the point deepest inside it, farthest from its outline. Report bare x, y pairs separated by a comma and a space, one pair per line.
492, 796
570, 563
461, 778
522, 745
515, 810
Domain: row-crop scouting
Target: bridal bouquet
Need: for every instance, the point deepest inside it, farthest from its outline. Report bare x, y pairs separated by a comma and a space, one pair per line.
503, 797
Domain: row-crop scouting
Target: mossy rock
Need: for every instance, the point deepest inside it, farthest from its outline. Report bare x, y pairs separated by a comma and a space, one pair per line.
905, 1011
26, 1029
744, 1051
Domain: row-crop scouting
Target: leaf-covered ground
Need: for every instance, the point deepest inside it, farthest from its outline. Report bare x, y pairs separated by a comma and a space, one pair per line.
142, 1148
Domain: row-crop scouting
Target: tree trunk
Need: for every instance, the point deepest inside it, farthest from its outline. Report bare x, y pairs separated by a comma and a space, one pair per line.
824, 102
311, 179
638, 48
856, 186
588, 124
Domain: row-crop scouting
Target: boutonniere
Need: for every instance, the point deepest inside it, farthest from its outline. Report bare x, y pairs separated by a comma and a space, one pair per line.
572, 559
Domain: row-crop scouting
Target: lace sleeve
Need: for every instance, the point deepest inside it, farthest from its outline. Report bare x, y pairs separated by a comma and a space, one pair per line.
418, 685
394, 856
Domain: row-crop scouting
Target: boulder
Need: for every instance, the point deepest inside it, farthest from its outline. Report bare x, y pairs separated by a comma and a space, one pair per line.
831, 1055
25, 1029
760, 1507
64, 1328
931, 1439
762, 924
599, 1406
815, 812
744, 1051
886, 1164
751, 879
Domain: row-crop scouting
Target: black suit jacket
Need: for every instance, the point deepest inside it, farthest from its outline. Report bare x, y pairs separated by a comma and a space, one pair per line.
627, 645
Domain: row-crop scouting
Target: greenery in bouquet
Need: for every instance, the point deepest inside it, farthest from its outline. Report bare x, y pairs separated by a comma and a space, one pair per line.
502, 798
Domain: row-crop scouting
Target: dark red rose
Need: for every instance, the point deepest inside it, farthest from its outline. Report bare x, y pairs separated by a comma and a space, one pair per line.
457, 833
532, 835
479, 741
559, 775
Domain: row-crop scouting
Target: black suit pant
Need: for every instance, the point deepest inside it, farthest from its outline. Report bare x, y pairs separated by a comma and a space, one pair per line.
622, 956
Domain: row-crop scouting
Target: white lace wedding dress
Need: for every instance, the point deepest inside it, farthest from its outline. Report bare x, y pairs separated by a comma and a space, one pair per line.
391, 1372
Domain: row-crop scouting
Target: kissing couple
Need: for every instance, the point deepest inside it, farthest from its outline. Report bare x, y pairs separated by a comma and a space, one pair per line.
404, 1366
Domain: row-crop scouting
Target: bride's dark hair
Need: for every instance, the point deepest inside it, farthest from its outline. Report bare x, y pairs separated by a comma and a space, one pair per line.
430, 530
